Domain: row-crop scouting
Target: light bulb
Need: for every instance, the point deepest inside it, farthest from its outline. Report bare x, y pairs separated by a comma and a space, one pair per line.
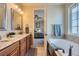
19, 9
21, 12
16, 6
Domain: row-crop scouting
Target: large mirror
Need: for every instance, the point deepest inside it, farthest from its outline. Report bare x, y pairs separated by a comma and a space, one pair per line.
2, 16
16, 20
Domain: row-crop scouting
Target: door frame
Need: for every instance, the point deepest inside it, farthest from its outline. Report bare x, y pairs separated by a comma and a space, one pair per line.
45, 26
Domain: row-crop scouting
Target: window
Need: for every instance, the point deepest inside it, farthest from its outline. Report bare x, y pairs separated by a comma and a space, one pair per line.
74, 19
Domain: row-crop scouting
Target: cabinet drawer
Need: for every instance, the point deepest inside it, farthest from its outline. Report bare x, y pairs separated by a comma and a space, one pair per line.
14, 52
9, 49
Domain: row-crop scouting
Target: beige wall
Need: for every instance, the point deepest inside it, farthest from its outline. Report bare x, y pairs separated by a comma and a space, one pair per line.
28, 18
55, 15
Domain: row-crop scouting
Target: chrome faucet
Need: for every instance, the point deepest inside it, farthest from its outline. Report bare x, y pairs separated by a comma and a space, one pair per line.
70, 50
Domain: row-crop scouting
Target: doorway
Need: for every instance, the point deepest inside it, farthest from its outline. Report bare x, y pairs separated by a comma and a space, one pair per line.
38, 27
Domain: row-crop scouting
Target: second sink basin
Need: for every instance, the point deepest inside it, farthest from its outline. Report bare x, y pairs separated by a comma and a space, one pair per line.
4, 40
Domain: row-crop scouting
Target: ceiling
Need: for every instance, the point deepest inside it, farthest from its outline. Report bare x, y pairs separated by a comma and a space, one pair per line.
33, 4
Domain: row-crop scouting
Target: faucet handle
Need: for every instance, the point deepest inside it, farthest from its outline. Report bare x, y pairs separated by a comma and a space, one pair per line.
70, 50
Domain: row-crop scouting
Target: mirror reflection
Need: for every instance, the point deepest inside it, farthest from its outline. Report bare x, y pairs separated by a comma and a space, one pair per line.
16, 20
2, 16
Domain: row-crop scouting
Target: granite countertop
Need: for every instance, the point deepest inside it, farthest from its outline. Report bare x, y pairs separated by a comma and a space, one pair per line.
10, 41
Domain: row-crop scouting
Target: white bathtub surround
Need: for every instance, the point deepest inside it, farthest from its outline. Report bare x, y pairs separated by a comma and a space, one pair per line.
65, 44
74, 38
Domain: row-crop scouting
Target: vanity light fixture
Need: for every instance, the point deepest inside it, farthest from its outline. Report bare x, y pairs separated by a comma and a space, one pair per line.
19, 9
21, 12
16, 6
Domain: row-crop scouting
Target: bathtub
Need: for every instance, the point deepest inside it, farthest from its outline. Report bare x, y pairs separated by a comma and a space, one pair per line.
65, 44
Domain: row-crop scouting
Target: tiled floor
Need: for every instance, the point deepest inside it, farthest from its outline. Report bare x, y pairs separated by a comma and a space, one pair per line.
37, 51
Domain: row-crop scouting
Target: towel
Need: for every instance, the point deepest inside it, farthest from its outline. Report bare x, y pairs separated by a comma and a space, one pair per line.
57, 29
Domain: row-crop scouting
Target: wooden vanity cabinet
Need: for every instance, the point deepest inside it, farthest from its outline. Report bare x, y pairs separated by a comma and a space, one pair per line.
27, 44
19, 48
12, 50
30, 40
23, 46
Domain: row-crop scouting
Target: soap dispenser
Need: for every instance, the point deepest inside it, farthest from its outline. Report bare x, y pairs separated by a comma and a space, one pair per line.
27, 29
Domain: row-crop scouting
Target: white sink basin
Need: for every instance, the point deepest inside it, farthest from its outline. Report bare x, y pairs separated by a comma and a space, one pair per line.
7, 40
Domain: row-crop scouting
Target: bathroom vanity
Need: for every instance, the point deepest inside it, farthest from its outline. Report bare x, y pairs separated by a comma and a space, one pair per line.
17, 46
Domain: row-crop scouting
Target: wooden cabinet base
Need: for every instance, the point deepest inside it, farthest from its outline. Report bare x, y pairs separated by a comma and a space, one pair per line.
14, 52
22, 47
10, 50
19, 48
